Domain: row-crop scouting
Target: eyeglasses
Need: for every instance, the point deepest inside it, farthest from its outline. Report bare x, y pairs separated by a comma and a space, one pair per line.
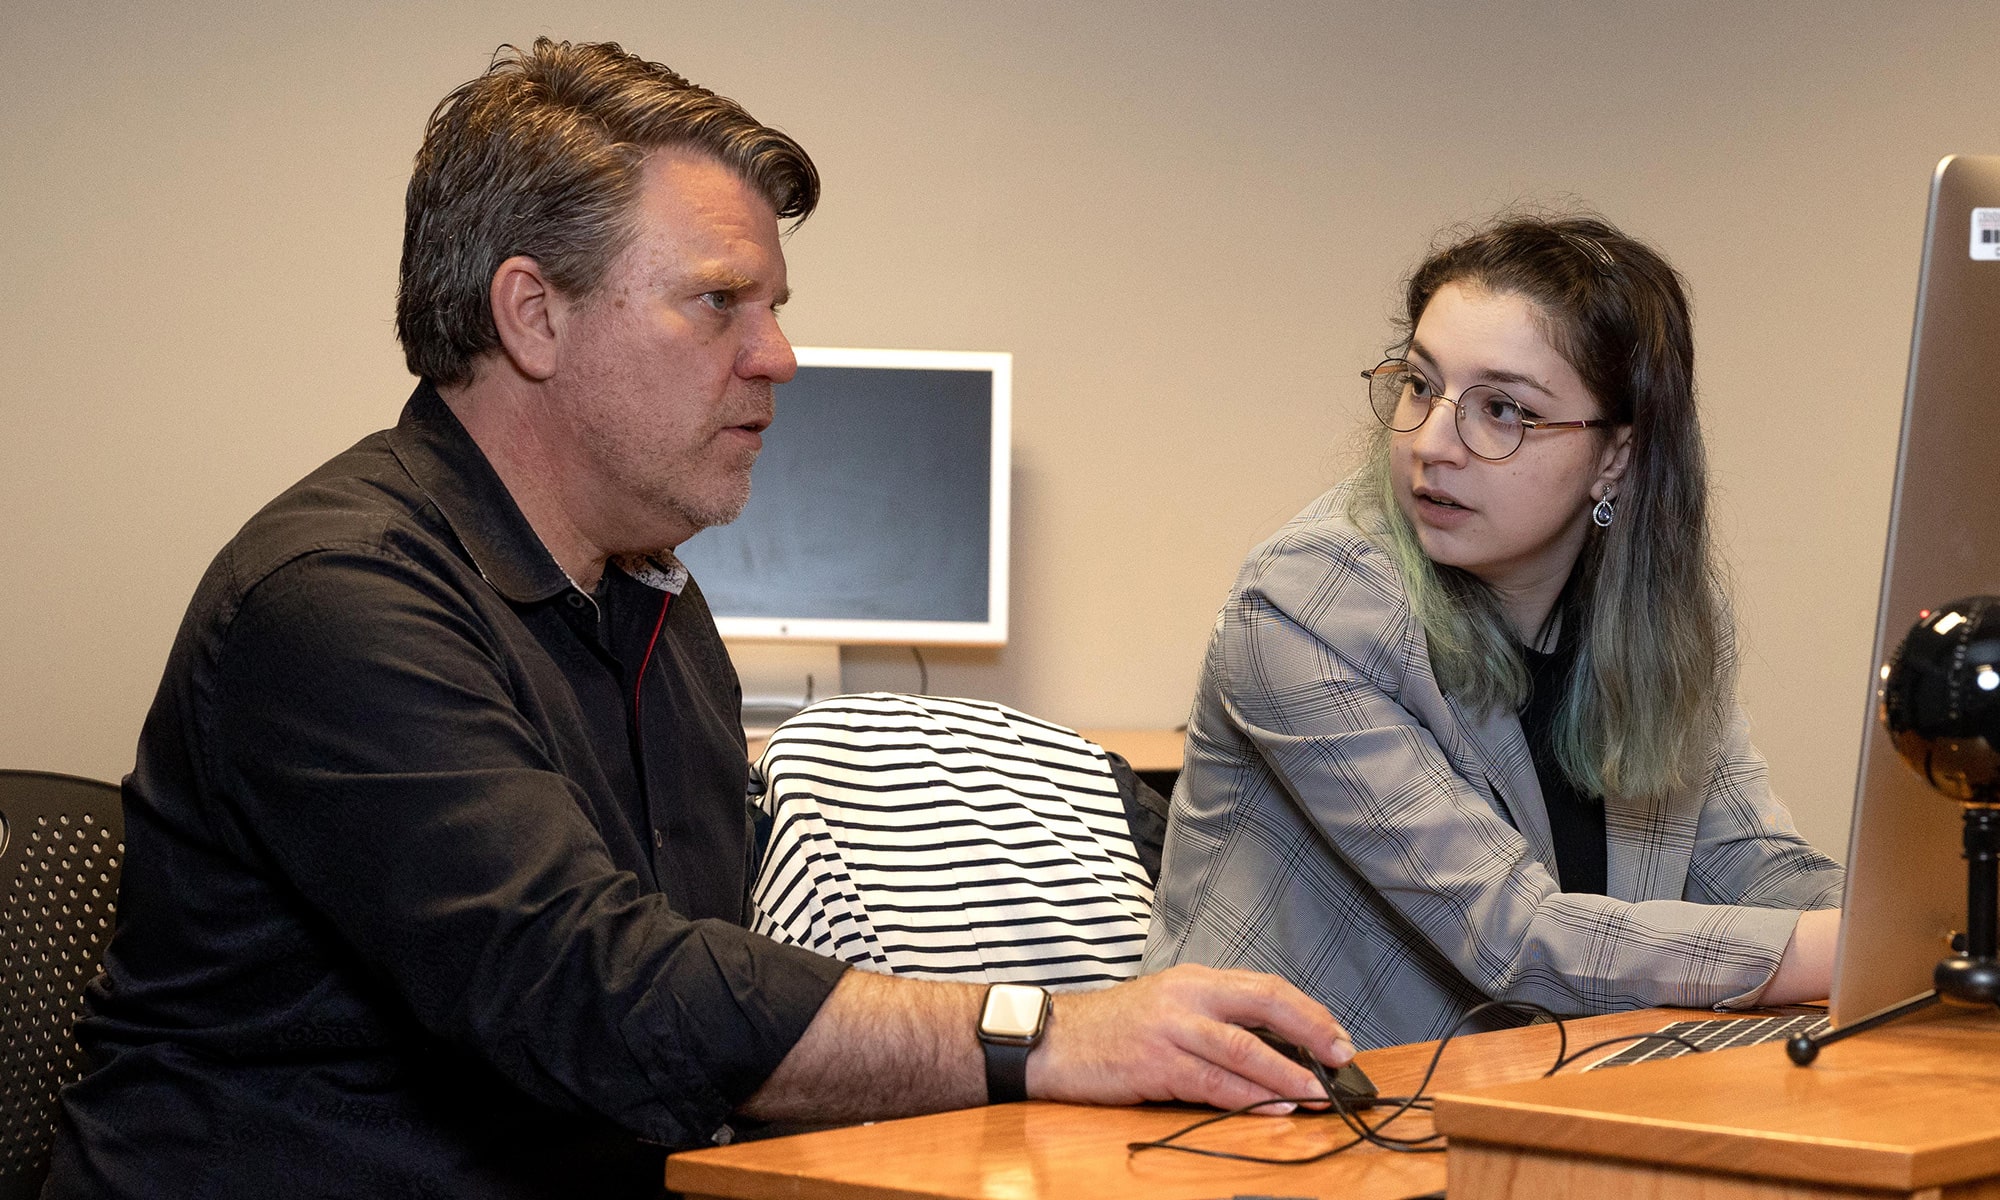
1489, 421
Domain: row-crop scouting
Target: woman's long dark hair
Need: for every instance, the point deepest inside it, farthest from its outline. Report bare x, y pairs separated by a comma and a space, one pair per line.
1643, 606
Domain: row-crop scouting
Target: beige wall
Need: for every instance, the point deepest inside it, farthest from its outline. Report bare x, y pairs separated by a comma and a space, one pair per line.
1186, 221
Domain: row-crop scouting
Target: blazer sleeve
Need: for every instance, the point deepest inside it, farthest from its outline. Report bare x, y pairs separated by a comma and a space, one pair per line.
1320, 659
1747, 851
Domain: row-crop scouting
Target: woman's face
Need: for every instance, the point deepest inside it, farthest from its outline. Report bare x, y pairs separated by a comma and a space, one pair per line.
1517, 524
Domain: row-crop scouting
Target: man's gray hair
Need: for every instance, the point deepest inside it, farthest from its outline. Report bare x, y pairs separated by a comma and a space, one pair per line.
541, 156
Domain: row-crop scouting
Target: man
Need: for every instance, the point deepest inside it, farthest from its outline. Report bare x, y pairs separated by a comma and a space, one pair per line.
437, 845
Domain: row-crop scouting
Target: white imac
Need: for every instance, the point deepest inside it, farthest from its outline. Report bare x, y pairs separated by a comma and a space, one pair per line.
878, 515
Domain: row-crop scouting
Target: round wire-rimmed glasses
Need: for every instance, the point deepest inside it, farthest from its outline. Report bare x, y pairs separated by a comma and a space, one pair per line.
1488, 420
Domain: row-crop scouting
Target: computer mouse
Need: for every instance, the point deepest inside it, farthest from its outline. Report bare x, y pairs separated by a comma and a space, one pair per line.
1347, 1084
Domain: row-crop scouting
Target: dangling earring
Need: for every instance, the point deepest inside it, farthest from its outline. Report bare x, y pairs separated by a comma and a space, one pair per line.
1602, 514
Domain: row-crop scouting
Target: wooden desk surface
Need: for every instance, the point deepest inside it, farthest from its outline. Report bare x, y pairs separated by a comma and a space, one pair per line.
1069, 1152
1145, 749
1910, 1106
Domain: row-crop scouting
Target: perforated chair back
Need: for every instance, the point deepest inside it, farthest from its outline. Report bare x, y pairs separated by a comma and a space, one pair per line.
61, 845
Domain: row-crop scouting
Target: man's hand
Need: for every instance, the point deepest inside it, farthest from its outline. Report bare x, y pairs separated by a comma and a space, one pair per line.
887, 1047
1183, 1034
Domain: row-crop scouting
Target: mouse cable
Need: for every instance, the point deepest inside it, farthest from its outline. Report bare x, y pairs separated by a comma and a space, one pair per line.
1420, 1101
1363, 1132
1562, 1062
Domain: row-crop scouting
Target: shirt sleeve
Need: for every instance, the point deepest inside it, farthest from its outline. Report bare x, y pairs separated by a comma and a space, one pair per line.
1314, 656
366, 733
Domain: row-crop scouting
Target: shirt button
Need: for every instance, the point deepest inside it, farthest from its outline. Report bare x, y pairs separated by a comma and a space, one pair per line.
576, 600
658, 841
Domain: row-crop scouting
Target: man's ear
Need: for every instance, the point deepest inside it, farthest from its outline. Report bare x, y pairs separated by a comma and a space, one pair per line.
1617, 456
523, 303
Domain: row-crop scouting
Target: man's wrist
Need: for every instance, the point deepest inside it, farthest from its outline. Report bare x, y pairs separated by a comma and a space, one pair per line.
1012, 1020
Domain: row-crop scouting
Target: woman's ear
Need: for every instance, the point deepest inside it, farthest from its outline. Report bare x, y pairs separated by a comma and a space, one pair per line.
523, 303
1612, 463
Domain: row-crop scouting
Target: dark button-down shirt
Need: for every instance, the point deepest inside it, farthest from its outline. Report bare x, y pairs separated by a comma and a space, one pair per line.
436, 865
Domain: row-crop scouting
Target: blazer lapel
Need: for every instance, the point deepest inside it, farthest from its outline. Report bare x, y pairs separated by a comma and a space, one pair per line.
1500, 751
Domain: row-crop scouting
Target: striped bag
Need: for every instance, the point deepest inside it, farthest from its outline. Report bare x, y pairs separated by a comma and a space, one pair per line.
949, 839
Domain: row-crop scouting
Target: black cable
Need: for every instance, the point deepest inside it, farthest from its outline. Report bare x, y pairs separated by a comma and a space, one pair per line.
1362, 1131
1613, 1041
923, 672
1420, 1101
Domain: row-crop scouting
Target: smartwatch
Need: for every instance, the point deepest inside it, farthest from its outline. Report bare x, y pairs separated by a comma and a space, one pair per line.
1011, 1024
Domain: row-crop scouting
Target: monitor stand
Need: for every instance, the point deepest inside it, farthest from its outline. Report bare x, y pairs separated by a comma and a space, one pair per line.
780, 678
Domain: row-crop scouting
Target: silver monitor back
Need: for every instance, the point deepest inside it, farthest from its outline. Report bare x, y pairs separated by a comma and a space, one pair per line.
1905, 878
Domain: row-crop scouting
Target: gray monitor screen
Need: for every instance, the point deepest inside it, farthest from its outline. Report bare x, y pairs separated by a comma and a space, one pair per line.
871, 501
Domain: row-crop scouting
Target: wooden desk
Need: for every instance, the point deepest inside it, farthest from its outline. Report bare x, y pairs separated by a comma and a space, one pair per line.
1148, 750
1067, 1152
1909, 1110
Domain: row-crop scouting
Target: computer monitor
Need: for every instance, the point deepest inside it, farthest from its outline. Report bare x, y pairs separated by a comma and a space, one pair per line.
1905, 877
878, 514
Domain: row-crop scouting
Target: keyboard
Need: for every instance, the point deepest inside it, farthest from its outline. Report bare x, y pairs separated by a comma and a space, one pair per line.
1721, 1033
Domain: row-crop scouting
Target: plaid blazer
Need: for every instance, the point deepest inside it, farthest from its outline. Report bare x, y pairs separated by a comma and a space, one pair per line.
1343, 823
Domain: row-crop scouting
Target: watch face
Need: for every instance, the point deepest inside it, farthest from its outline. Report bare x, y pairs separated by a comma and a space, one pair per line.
1013, 1011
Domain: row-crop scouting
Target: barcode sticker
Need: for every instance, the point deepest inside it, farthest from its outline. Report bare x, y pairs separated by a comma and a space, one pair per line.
1986, 234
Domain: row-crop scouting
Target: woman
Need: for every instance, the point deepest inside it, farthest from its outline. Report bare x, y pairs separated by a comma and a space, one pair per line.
1467, 727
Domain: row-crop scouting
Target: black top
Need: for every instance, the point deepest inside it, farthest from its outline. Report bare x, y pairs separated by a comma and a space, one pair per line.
408, 907
1576, 821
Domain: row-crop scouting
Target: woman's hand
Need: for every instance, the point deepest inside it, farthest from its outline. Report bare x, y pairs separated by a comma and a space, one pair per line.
1806, 970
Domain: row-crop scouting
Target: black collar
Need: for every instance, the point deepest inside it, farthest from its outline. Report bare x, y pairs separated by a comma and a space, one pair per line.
454, 473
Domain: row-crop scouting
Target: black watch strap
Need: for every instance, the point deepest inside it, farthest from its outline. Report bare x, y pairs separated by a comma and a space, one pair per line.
1006, 1072
1012, 1019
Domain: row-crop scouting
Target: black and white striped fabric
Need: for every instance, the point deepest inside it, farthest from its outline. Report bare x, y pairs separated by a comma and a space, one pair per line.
949, 839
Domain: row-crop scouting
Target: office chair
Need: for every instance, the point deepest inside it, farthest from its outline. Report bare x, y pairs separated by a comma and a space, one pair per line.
61, 843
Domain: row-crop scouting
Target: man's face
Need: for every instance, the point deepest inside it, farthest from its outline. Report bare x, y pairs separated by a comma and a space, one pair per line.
665, 376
